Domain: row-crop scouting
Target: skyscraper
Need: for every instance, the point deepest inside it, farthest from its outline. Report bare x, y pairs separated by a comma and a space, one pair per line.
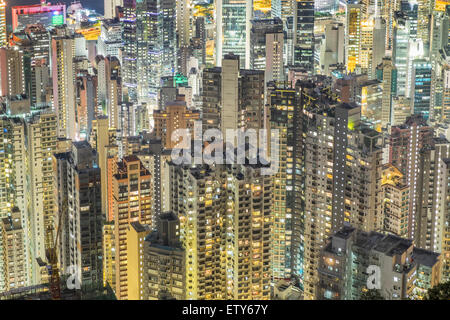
341, 157
353, 36
232, 97
304, 35
287, 197
406, 141
421, 88
136, 234
110, 8
233, 30
11, 72
80, 211
225, 229
387, 74
332, 51
267, 48
63, 75
164, 258
14, 255
401, 53
282, 9
156, 46
130, 50
110, 40
131, 203
174, 116
405, 269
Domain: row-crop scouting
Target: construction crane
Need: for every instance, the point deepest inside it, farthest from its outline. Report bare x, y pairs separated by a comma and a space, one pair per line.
52, 259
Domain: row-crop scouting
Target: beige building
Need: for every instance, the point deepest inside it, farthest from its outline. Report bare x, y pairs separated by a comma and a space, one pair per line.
63, 75
103, 139
395, 201
132, 194
136, 234
175, 116
225, 230
27, 179
109, 255
15, 272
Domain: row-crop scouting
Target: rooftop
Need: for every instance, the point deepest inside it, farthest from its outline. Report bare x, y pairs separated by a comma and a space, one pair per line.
425, 257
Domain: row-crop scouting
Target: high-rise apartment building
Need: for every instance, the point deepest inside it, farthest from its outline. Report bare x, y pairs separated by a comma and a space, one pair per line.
131, 194
387, 74
86, 98
109, 88
286, 106
136, 234
342, 179
232, 97
430, 221
225, 214
164, 261
174, 116
40, 144
11, 72
103, 139
15, 272
332, 50
267, 48
28, 142
405, 271
80, 212
63, 75
395, 202
406, 142
13, 166
109, 255
446, 231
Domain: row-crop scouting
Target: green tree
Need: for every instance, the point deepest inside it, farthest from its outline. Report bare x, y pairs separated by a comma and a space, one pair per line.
371, 294
439, 292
